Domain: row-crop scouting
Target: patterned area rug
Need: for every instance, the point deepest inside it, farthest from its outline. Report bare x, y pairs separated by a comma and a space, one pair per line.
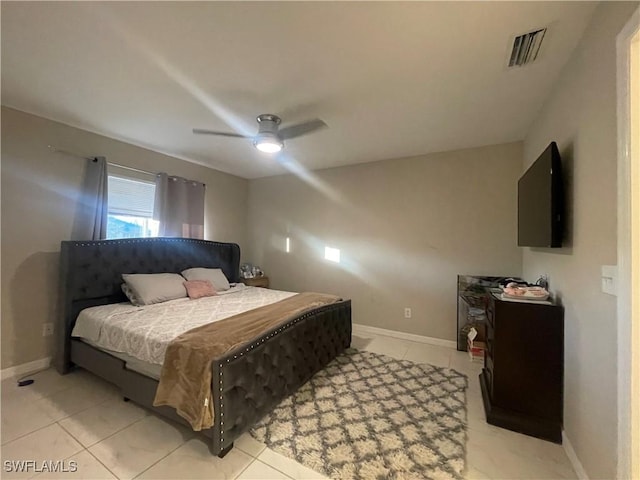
369, 416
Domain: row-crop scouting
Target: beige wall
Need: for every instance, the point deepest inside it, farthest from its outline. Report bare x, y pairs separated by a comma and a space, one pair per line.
580, 116
405, 229
39, 190
633, 370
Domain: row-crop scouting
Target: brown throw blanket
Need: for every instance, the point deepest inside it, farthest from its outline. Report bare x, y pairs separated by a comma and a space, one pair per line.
185, 380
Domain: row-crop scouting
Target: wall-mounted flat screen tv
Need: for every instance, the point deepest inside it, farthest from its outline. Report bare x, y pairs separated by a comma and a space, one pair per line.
541, 202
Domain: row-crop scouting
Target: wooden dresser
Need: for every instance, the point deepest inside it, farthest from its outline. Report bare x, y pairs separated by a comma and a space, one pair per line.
522, 379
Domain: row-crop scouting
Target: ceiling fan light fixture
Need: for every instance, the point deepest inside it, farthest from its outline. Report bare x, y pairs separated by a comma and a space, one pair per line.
269, 138
268, 143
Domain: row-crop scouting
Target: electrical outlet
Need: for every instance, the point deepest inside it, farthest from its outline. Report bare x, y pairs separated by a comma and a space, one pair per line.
47, 329
407, 312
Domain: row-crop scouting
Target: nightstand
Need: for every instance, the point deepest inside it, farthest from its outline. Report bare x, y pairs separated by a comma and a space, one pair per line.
256, 281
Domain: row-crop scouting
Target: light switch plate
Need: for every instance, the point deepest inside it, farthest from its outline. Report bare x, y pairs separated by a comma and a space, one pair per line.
610, 279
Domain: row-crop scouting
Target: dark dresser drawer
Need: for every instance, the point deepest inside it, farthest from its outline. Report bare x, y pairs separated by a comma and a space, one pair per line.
491, 308
522, 379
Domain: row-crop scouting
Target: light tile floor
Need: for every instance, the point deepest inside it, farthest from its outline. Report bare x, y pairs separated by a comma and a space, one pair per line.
81, 418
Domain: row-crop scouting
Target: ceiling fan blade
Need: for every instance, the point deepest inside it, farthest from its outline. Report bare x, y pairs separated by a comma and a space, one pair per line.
301, 129
201, 131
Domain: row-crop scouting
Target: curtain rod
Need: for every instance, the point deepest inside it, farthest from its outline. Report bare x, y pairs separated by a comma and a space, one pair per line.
77, 155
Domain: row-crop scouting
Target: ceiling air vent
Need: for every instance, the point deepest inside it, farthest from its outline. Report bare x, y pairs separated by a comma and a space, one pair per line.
526, 47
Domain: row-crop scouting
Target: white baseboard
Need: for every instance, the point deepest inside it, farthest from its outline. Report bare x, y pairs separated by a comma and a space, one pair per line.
364, 329
25, 368
573, 458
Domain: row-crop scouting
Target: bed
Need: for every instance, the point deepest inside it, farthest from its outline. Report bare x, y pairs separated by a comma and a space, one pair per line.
246, 382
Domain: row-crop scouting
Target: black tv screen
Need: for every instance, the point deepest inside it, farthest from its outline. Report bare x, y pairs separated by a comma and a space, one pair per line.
541, 202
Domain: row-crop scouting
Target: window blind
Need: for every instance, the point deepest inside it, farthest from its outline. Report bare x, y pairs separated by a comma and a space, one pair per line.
131, 197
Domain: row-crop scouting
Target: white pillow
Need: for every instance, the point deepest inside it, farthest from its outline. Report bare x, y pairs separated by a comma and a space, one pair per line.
214, 275
149, 288
128, 291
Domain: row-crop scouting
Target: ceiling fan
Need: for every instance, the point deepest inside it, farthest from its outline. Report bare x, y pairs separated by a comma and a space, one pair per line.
270, 139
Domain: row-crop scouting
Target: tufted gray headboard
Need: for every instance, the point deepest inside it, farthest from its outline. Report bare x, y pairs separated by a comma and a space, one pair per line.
91, 273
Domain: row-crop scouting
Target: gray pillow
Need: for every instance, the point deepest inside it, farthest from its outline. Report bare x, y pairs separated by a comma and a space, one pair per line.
150, 288
214, 275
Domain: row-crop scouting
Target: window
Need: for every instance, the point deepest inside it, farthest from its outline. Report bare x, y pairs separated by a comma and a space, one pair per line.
131, 208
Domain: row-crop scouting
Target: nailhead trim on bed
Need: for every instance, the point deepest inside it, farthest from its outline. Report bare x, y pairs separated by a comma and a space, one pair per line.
259, 342
333, 320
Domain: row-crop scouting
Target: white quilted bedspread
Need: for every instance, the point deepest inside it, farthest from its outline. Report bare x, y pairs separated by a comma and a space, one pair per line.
145, 332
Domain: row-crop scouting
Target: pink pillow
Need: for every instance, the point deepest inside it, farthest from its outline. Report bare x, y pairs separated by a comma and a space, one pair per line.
199, 289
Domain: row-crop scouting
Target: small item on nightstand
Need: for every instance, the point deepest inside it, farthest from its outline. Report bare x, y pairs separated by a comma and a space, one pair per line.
246, 270
257, 271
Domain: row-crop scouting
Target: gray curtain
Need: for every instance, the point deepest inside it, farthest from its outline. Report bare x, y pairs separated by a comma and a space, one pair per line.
90, 222
179, 207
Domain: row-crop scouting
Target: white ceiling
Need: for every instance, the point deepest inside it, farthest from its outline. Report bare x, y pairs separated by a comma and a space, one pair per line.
391, 79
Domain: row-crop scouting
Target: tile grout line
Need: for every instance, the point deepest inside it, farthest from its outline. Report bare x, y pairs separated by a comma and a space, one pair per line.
285, 473
253, 460
115, 433
255, 457
92, 455
101, 463
249, 453
37, 399
108, 436
86, 449
160, 459
52, 422
56, 420
83, 410
28, 433
66, 458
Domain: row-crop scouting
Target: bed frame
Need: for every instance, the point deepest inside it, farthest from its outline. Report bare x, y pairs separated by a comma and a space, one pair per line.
247, 382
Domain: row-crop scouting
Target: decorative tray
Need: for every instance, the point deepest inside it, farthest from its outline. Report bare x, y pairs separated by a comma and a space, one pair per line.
519, 292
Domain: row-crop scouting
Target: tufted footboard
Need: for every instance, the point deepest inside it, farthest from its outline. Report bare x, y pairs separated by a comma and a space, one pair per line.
249, 382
